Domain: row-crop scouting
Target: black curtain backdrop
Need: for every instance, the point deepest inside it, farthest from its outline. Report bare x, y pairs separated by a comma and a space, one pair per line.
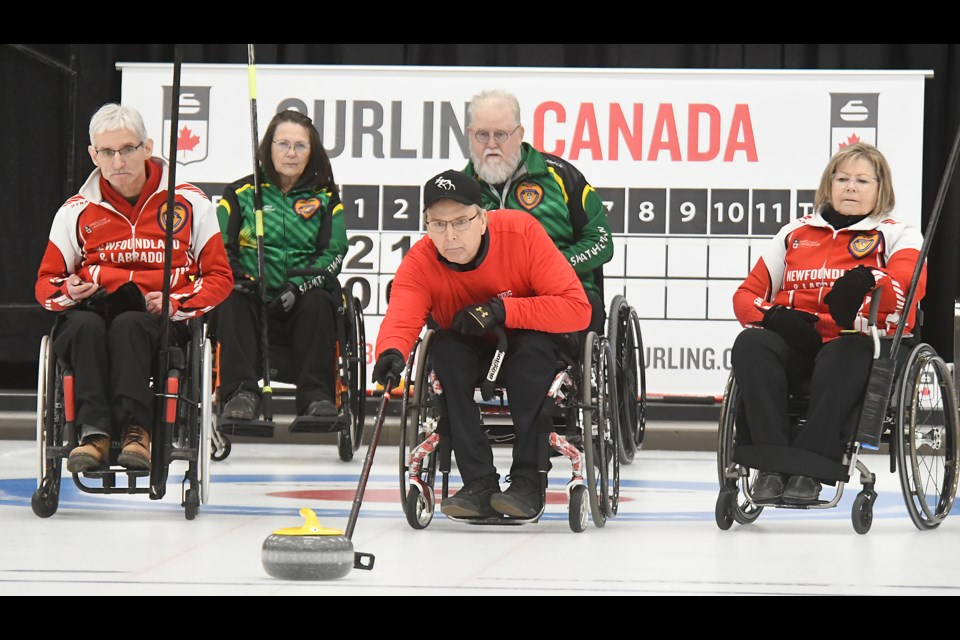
53, 89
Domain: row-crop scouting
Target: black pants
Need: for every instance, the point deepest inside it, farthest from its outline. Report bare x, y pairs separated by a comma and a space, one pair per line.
529, 367
112, 369
765, 368
309, 330
598, 317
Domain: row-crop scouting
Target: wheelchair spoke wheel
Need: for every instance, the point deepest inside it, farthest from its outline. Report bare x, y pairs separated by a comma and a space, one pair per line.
356, 371
623, 337
735, 506
46, 498
207, 420
927, 424
419, 416
639, 423
592, 428
612, 436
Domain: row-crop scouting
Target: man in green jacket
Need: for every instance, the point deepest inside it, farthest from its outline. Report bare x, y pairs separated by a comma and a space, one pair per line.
514, 175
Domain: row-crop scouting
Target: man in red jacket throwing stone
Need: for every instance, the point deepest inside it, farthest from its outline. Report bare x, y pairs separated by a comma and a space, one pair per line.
473, 271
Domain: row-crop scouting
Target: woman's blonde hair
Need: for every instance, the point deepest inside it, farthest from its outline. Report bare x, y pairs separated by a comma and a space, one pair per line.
885, 197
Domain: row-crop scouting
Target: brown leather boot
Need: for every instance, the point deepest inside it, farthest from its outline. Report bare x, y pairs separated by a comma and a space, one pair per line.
136, 449
92, 452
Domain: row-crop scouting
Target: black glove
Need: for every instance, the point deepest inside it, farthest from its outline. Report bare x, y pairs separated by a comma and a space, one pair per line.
796, 327
389, 364
477, 319
846, 295
282, 305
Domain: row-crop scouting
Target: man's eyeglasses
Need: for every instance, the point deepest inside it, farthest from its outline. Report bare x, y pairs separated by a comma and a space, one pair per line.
483, 137
285, 147
860, 181
126, 152
460, 224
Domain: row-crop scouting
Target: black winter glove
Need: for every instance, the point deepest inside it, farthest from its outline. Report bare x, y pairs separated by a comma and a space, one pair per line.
281, 306
477, 319
389, 364
846, 295
796, 327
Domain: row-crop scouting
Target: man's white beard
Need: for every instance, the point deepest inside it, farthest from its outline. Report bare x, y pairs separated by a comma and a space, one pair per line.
497, 171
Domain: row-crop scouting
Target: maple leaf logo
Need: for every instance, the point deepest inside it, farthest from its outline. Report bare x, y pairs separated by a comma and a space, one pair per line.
853, 139
186, 141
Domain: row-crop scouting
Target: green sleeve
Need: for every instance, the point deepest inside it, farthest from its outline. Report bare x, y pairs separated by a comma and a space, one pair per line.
594, 246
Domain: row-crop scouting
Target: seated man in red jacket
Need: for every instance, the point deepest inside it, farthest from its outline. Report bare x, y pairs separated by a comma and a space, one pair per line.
475, 270
110, 239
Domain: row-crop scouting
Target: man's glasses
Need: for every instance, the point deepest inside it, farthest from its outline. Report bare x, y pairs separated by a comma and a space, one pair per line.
126, 152
860, 181
483, 137
284, 147
460, 224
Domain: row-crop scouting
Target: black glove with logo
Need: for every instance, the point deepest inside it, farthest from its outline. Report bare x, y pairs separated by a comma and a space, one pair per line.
281, 306
846, 296
389, 364
477, 319
796, 327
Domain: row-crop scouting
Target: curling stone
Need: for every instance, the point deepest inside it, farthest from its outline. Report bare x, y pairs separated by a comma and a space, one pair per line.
310, 552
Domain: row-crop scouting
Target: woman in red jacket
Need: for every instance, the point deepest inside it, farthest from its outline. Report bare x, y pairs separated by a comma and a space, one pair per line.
803, 306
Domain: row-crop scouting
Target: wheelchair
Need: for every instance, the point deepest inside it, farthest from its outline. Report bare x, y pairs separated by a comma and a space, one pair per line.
586, 431
184, 413
920, 427
626, 341
350, 370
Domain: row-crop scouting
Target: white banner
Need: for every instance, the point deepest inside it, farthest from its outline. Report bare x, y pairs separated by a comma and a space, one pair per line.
698, 168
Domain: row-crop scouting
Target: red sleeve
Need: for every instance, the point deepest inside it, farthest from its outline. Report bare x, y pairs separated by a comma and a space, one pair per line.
895, 279
752, 296
559, 304
51, 287
209, 288
410, 304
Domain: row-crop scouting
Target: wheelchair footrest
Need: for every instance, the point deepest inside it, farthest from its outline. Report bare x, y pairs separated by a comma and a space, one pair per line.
247, 428
313, 424
497, 520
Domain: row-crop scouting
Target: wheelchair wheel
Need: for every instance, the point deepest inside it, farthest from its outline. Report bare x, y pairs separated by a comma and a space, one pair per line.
623, 332
419, 415
349, 441
927, 438
740, 510
601, 458
862, 512
579, 509
46, 498
207, 420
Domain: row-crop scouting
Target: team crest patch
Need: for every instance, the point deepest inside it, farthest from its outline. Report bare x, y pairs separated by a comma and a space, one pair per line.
529, 194
864, 244
307, 207
179, 216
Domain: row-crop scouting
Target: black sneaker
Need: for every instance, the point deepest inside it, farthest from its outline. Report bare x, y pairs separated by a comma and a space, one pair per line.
522, 499
322, 409
242, 405
473, 499
767, 487
801, 490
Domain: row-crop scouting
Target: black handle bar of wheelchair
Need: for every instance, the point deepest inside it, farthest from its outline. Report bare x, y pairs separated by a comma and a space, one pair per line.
487, 386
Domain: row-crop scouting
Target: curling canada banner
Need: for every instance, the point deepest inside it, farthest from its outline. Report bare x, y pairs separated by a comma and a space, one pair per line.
698, 169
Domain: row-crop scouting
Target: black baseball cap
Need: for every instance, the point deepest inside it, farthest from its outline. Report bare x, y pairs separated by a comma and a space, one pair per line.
451, 185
